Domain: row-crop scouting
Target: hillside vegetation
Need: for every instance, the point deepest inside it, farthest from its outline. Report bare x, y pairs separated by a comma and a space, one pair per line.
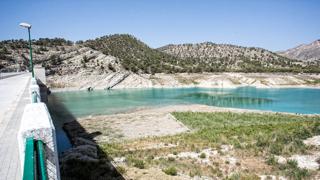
223, 145
58, 56
212, 57
122, 53
137, 56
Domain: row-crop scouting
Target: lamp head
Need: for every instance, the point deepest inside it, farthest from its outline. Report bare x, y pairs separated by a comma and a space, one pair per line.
25, 25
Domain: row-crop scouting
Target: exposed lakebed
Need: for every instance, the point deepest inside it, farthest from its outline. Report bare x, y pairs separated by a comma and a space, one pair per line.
67, 106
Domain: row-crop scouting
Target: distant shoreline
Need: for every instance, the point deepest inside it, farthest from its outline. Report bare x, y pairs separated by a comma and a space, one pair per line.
126, 80
70, 89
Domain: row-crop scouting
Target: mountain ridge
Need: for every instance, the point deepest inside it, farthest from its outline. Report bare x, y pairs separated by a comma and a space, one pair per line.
124, 52
232, 57
304, 52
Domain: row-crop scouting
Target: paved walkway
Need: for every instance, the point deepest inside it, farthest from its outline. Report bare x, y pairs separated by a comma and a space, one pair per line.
7, 75
13, 98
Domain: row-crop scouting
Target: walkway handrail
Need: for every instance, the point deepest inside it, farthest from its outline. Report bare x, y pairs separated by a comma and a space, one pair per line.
41, 161
34, 163
29, 170
36, 122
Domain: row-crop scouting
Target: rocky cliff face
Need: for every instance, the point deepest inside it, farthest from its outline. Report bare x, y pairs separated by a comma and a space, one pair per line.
305, 52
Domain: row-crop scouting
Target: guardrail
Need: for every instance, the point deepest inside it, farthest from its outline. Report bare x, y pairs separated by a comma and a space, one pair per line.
34, 161
37, 140
29, 170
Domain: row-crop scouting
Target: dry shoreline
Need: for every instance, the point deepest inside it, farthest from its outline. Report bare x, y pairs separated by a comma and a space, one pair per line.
135, 126
148, 122
183, 80
234, 87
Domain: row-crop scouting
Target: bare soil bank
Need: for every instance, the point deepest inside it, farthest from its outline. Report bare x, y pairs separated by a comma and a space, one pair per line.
148, 122
85, 79
147, 132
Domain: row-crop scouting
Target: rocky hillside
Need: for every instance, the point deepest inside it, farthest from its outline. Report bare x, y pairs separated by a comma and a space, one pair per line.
305, 52
136, 56
209, 50
225, 57
58, 56
123, 54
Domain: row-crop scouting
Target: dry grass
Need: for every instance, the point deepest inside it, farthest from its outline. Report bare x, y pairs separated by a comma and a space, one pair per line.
253, 136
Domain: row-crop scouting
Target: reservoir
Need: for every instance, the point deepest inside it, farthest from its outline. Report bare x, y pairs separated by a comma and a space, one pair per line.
100, 102
66, 106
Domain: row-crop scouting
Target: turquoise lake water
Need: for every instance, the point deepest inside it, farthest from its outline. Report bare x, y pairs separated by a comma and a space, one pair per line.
66, 105
294, 100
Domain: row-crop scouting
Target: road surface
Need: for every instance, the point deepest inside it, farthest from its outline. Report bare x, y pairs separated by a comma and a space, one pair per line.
14, 97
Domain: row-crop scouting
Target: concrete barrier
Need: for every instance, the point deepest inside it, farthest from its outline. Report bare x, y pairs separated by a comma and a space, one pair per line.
37, 123
40, 73
34, 81
34, 91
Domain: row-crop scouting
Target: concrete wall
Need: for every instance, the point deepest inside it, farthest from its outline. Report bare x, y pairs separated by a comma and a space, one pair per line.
37, 123
40, 73
34, 90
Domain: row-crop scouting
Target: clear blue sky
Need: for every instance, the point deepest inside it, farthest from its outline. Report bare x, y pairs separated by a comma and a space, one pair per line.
270, 24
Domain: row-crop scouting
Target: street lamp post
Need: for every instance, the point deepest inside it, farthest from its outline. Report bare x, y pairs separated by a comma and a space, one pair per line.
28, 26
